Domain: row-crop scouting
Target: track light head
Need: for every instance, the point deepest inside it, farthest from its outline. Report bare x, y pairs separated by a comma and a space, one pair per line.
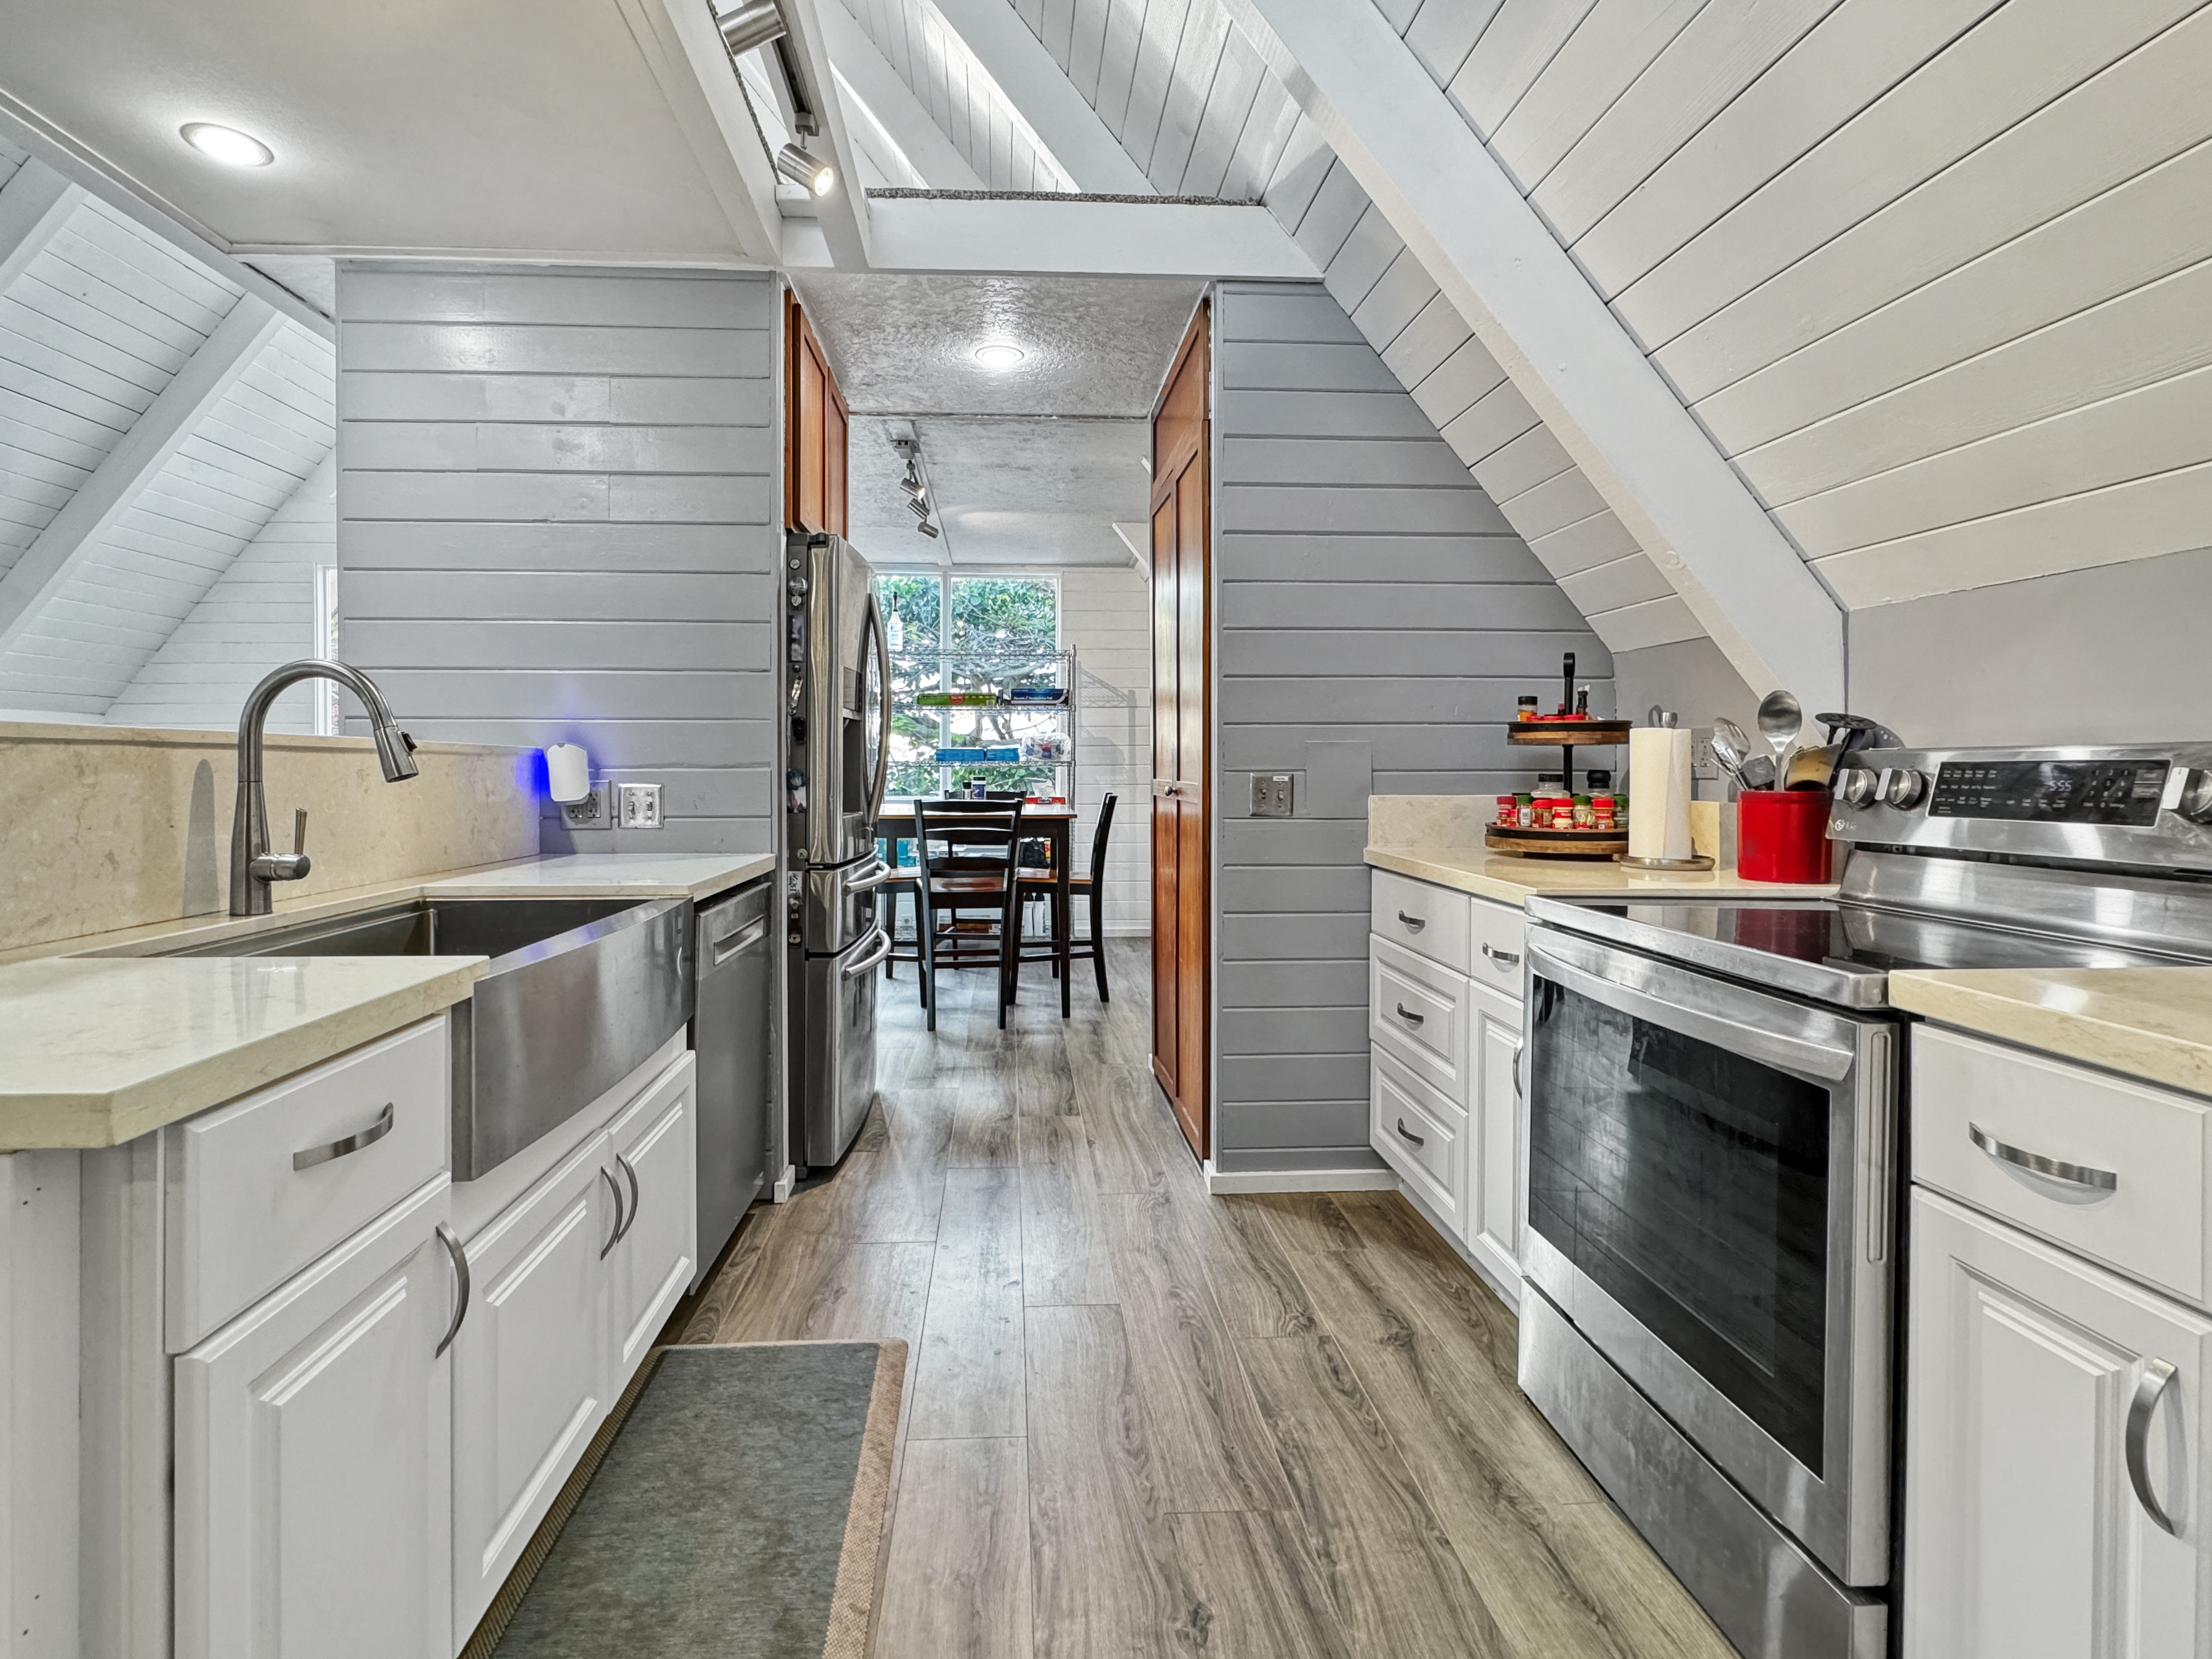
927, 529
919, 508
796, 165
755, 23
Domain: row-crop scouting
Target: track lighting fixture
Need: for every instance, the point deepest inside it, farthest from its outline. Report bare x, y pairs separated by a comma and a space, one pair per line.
919, 507
912, 482
927, 529
755, 23
796, 165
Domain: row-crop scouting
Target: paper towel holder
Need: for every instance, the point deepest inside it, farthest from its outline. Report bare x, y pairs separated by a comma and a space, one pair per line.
568, 772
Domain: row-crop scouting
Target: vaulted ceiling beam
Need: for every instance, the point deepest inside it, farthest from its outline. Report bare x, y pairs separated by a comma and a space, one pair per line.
33, 204
1603, 399
843, 213
1048, 100
1067, 236
893, 103
137, 460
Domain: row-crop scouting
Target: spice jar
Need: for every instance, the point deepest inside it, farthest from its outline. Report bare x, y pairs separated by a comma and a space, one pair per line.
1526, 710
1585, 813
1509, 812
1524, 812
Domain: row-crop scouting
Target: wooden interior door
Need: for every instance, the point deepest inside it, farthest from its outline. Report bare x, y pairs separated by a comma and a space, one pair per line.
1182, 670
816, 421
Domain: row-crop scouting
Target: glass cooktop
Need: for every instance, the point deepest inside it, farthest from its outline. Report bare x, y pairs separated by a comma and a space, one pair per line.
1835, 953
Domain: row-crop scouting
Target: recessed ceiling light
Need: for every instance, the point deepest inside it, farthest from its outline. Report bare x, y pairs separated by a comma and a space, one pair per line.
999, 356
226, 145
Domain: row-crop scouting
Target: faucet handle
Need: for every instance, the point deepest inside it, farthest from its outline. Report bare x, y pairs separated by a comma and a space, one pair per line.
287, 866
300, 832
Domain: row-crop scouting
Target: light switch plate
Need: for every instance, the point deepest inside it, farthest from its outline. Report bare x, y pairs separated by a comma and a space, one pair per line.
1274, 795
641, 805
594, 812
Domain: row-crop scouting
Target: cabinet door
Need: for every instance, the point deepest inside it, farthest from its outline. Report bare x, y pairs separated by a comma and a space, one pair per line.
530, 1372
1497, 1160
2025, 1531
654, 1150
312, 1486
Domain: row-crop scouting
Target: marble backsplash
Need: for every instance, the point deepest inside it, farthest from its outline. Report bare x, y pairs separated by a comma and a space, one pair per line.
109, 827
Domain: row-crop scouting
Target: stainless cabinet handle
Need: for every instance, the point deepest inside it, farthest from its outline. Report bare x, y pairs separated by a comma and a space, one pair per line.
345, 1144
1410, 1017
460, 1258
1517, 1095
1503, 958
2073, 1175
2157, 1373
629, 1173
1418, 1141
1416, 923
614, 1187
744, 938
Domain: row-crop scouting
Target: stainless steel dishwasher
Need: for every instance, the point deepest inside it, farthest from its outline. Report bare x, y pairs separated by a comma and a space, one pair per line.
730, 1031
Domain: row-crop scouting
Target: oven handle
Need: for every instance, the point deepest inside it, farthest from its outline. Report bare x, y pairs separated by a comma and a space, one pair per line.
1828, 1062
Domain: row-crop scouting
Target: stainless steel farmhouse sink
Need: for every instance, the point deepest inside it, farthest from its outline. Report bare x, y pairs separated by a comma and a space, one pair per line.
580, 992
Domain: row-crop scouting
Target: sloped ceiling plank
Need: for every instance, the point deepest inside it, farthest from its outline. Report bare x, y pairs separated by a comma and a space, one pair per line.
892, 101
34, 204
1046, 99
1629, 433
134, 463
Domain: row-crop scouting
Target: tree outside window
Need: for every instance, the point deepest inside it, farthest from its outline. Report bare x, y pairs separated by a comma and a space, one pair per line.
1004, 631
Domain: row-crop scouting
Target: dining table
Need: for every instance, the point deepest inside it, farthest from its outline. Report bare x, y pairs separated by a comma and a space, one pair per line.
1052, 824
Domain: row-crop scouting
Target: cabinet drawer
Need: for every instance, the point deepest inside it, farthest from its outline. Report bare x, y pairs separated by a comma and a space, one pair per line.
1418, 1013
259, 1189
1419, 1134
1431, 921
2152, 1143
1498, 933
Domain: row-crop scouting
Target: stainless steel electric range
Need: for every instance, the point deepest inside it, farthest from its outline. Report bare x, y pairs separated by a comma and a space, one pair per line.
1715, 1096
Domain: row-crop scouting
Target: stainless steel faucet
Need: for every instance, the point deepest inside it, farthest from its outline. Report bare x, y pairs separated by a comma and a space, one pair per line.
252, 866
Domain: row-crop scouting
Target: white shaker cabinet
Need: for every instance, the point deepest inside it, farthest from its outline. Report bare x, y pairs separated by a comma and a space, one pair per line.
1494, 1205
530, 1373
654, 1147
2029, 1527
312, 1486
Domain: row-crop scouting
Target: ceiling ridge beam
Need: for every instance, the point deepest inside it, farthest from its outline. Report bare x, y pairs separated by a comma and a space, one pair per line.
932, 154
34, 205
117, 482
1605, 401
1036, 85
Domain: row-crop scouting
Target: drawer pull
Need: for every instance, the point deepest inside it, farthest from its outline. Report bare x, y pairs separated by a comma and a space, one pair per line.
2073, 1175
1418, 1141
1410, 1017
2157, 1373
460, 1258
1503, 958
629, 1173
1416, 923
614, 1187
345, 1143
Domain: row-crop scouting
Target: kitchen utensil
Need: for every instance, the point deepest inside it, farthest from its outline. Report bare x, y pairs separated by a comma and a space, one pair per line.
1839, 723
1780, 718
1726, 754
1812, 768
1723, 727
1759, 773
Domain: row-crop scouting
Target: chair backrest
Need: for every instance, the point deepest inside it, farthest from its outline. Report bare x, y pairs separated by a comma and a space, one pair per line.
966, 841
1098, 841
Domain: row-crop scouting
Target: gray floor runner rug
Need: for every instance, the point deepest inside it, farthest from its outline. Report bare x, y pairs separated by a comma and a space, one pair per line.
733, 1505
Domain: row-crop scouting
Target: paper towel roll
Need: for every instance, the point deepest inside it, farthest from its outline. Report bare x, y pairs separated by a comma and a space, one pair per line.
1659, 793
568, 772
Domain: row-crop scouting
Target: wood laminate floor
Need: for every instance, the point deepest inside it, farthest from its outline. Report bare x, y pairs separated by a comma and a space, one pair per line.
1141, 1420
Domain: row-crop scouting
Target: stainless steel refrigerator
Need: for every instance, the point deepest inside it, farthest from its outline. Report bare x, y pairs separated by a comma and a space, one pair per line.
836, 756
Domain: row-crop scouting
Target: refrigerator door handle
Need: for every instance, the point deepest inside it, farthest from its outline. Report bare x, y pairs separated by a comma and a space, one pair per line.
879, 785
875, 875
870, 957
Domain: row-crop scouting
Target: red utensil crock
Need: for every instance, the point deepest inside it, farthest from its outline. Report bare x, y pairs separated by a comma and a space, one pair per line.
1781, 835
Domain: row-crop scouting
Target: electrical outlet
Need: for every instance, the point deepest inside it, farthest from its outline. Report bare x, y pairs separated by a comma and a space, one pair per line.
641, 805
1273, 795
594, 812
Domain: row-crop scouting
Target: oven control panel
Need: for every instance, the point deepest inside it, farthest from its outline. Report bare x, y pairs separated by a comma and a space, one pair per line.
2149, 806
2051, 791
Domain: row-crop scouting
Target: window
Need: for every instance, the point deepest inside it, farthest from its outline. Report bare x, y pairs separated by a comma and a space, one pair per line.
969, 634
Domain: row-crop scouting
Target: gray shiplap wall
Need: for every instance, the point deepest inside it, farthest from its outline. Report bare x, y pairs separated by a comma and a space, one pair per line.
557, 501
1377, 617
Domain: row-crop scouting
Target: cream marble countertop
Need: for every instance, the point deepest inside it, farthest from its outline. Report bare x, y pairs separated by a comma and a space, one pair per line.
100, 1051
2151, 1022
609, 875
1510, 879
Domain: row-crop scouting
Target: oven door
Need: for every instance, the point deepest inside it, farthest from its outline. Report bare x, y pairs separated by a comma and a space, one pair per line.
1710, 1175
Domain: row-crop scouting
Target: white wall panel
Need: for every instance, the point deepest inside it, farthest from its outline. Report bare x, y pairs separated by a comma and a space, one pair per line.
1512, 53
1599, 61
1106, 616
1443, 31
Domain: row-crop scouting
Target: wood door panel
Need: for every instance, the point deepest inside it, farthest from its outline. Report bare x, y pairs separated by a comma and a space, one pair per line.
816, 426
1181, 766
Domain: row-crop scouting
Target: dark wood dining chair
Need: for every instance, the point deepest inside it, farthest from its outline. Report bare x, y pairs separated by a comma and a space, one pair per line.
965, 853
1092, 886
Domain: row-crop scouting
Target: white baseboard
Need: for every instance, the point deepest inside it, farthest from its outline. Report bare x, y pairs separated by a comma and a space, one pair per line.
1299, 1181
